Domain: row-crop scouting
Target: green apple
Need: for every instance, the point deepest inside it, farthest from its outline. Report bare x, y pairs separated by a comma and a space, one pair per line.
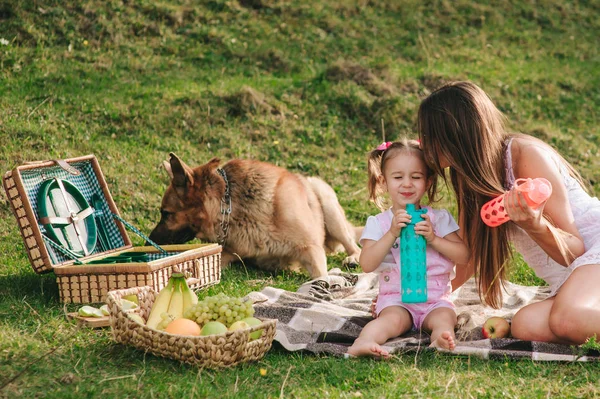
104, 309
213, 328
253, 321
239, 325
133, 298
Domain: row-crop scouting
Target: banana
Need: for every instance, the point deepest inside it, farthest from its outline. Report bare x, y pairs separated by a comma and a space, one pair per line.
161, 304
176, 305
189, 297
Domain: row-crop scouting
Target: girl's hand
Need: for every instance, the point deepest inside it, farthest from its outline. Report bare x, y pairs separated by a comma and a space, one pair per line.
425, 228
522, 214
401, 219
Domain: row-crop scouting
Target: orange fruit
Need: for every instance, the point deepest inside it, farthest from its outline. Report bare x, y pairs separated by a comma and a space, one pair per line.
183, 327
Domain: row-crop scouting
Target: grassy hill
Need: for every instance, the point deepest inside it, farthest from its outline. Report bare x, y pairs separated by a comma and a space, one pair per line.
308, 85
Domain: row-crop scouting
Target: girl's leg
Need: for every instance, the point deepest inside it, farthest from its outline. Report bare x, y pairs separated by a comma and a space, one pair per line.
575, 315
392, 322
440, 323
571, 317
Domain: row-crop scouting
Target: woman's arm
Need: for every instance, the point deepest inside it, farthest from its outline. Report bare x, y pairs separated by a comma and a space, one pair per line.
452, 247
531, 160
463, 273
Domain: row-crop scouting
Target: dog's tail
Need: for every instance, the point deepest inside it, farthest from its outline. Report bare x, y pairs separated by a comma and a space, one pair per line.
337, 227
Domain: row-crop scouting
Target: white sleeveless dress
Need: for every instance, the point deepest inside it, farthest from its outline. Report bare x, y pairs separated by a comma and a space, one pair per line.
586, 211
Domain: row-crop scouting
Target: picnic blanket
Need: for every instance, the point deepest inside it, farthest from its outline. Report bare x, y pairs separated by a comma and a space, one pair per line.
326, 315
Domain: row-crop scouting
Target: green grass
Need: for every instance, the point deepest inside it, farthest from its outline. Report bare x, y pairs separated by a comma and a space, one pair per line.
311, 86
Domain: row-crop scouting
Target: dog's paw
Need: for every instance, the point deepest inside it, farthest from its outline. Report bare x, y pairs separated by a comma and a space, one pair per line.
350, 262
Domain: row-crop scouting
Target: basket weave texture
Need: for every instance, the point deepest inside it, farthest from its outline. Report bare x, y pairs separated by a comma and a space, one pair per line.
31, 241
80, 285
90, 283
213, 351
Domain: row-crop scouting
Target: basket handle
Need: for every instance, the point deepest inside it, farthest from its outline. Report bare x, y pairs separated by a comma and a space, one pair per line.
66, 252
138, 232
60, 162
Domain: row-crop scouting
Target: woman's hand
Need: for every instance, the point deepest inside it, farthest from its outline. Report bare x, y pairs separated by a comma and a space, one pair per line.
425, 228
374, 307
401, 219
522, 214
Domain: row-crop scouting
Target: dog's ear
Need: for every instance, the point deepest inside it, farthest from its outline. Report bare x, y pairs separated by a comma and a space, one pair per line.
183, 175
213, 164
167, 167
208, 170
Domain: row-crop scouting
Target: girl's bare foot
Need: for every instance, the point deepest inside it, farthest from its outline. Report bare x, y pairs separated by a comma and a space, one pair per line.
444, 341
367, 348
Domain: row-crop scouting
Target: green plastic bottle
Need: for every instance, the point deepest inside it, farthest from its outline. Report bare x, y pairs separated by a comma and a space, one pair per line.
413, 260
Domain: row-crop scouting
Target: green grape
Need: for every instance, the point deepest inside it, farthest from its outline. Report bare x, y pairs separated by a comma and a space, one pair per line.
166, 319
220, 307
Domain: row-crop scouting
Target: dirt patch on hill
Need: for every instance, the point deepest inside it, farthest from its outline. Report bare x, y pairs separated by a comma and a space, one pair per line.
362, 76
251, 101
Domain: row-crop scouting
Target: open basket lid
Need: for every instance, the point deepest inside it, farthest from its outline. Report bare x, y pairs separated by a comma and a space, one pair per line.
67, 204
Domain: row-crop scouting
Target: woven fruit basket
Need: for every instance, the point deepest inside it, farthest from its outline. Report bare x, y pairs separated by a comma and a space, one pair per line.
223, 350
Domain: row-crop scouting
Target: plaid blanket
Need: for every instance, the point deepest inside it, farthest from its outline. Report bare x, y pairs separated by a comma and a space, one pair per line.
326, 315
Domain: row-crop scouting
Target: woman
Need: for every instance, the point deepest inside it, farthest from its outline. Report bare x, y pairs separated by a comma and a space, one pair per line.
461, 128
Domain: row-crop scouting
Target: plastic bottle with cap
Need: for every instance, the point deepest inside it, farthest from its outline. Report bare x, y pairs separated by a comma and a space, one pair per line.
535, 191
413, 260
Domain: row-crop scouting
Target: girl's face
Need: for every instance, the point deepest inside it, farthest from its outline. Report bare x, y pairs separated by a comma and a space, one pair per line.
405, 179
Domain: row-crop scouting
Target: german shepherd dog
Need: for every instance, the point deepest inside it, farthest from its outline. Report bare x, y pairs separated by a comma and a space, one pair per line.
258, 212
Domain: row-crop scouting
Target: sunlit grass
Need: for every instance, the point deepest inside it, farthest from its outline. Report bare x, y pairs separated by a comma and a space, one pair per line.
133, 81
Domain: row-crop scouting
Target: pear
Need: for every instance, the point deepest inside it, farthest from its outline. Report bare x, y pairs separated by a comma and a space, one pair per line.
137, 318
253, 321
127, 304
90, 311
104, 309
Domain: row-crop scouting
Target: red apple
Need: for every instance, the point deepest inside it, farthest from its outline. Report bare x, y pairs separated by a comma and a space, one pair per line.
496, 327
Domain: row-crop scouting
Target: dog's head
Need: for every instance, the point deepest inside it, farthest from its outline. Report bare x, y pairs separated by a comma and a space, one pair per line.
187, 208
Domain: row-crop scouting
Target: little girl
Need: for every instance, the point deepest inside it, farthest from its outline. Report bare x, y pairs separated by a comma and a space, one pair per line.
399, 169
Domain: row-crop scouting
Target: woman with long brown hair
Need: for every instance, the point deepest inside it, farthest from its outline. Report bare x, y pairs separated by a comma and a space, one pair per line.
461, 128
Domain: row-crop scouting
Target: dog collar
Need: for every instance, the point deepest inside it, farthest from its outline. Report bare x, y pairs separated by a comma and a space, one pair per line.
225, 209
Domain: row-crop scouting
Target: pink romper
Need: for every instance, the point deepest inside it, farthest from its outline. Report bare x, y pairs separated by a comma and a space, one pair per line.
439, 269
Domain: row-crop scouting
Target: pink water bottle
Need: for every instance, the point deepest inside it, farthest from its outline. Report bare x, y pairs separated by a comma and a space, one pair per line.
535, 191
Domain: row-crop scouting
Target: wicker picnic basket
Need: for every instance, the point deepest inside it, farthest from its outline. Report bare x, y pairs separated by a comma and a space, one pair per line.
223, 350
87, 279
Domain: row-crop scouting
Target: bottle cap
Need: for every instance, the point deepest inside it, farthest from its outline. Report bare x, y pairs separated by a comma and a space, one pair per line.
540, 192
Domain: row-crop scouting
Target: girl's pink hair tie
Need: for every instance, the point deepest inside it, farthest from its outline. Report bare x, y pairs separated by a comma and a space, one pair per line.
384, 146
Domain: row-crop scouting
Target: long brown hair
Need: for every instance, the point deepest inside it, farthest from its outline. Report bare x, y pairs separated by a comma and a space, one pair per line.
459, 123
376, 166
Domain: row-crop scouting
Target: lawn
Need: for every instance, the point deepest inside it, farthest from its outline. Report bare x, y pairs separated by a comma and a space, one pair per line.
308, 85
